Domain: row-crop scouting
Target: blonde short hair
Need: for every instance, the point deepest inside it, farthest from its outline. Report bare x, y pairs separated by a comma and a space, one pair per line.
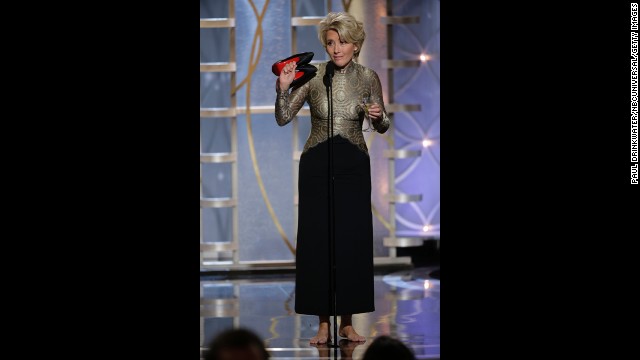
348, 28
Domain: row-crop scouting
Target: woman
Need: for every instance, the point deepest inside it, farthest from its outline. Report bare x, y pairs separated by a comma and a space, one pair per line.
343, 36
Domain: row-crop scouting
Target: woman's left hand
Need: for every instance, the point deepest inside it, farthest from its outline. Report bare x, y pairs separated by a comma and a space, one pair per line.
375, 112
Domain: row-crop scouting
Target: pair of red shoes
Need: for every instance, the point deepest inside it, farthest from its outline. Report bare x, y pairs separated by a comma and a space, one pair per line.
304, 70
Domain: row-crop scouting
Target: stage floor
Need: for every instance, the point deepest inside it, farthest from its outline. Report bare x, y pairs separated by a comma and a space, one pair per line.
407, 308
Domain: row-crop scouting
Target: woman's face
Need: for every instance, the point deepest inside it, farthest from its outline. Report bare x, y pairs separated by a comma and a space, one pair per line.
341, 52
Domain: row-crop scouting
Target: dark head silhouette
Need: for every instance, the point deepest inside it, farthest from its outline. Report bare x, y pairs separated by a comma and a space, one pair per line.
236, 344
386, 347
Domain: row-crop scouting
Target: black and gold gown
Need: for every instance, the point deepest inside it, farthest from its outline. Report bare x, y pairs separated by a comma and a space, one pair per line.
352, 191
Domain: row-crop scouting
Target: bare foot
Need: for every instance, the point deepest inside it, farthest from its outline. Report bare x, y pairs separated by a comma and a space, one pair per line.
323, 335
350, 333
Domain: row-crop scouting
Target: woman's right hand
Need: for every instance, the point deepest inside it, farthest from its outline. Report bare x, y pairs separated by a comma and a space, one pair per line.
287, 75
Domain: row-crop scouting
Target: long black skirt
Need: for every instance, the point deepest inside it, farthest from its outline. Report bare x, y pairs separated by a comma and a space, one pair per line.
353, 231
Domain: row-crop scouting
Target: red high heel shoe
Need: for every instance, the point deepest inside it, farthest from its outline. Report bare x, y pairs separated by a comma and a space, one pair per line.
300, 59
304, 70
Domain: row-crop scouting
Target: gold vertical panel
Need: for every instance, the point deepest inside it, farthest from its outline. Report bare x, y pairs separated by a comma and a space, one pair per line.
346, 4
234, 136
254, 57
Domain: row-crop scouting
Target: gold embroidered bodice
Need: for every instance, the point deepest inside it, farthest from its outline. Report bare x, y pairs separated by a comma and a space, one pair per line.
349, 86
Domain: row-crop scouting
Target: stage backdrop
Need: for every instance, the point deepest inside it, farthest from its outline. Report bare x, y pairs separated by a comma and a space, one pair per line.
266, 174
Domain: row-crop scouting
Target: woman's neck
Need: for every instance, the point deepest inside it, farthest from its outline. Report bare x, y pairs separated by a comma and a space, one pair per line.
344, 68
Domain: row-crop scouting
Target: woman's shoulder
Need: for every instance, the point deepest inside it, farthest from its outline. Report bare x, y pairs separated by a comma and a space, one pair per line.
365, 71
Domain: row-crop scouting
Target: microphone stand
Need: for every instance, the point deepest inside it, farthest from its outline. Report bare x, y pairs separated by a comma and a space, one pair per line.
331, 218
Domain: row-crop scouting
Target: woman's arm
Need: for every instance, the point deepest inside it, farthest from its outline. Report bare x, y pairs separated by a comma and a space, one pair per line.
288, 104
379, 118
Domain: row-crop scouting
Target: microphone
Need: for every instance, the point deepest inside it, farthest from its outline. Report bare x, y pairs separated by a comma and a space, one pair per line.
328, 78
328, 74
